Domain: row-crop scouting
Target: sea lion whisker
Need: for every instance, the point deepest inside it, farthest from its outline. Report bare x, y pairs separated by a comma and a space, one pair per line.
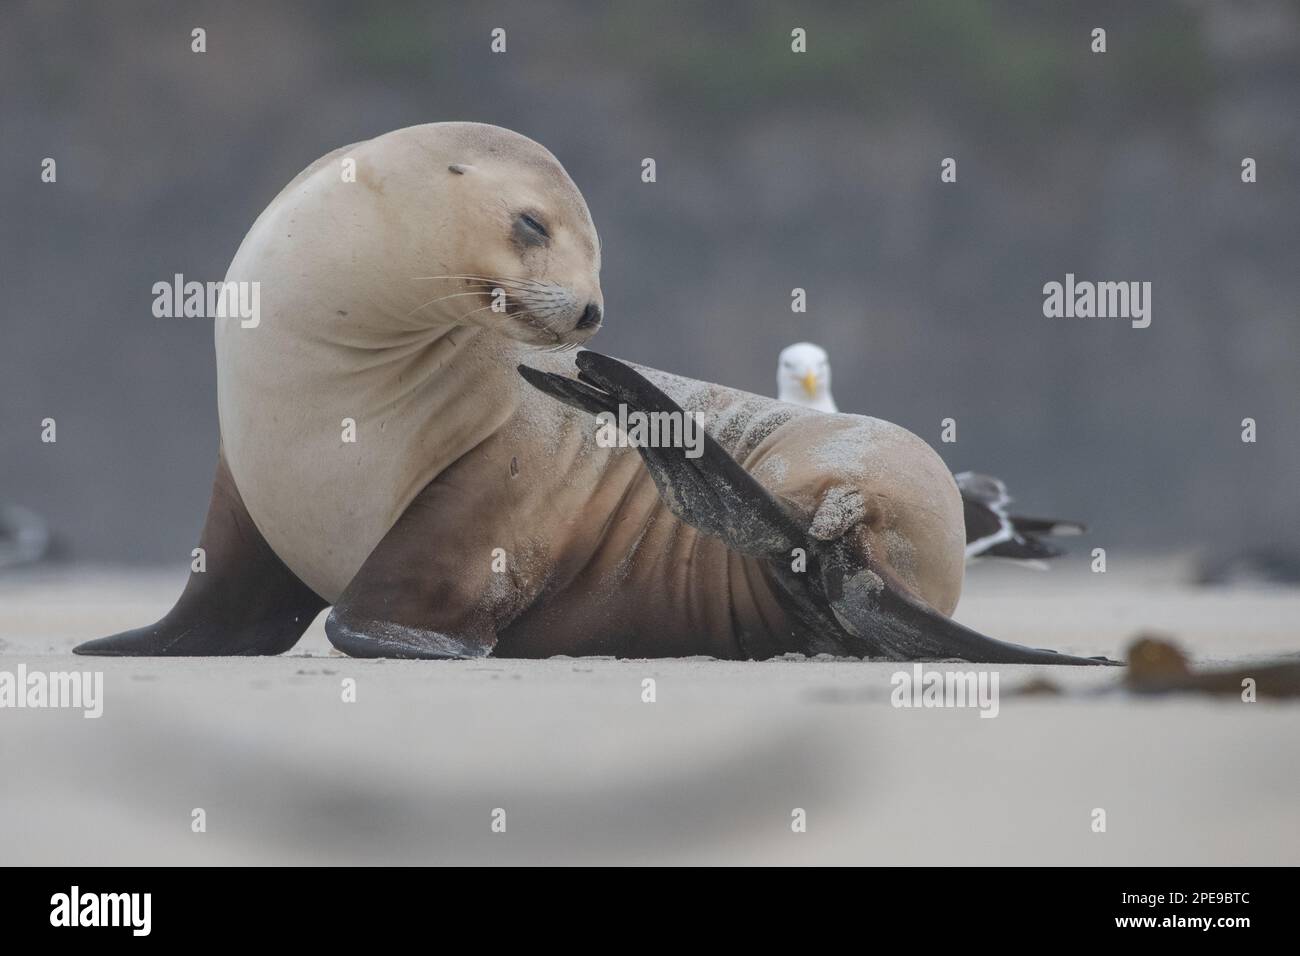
454, 295
526, 281
507, 284
522, 281
480, 309
474, 277
538, 323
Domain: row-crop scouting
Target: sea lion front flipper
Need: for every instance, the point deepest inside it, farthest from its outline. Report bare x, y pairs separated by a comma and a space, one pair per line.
710, 492
244, 602
416, 595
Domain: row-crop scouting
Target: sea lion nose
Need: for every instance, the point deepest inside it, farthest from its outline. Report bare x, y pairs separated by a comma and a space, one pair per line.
590, 316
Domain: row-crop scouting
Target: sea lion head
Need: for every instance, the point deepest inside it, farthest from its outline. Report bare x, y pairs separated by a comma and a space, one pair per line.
523, 238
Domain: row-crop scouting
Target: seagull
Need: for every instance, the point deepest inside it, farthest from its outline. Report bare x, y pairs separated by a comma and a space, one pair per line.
803, 377
991, 531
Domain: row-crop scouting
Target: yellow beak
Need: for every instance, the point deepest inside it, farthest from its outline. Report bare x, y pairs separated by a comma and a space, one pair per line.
810, 384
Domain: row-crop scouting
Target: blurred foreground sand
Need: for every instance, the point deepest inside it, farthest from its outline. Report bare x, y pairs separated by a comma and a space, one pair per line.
586, 772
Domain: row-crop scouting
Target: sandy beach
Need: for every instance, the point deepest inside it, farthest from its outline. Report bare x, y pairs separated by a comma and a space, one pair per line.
411, 772
259, 299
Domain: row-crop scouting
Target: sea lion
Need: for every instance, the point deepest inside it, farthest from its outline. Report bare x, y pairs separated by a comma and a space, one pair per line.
472, 515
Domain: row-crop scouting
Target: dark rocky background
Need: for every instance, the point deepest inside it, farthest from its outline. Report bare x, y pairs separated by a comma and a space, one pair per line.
775, 171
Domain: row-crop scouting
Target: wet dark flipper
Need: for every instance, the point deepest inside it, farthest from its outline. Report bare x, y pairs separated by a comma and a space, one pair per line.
578, 394
872, 604
244, 602
711, 492
752, 520
359, 636
415, 597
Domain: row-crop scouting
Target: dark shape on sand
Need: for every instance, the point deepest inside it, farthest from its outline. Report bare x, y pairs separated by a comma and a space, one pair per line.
1157, 666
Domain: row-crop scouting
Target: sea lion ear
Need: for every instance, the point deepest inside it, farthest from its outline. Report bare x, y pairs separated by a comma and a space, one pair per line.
460, 169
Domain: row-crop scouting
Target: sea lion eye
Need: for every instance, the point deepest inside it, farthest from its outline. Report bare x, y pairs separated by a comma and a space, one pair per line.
534, 225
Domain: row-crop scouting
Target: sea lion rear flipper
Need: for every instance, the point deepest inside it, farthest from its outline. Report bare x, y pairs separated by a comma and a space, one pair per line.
875, 606
570, 391
244, 602
710, 492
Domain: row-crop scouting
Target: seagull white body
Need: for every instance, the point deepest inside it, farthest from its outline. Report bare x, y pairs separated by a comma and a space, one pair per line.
803, 377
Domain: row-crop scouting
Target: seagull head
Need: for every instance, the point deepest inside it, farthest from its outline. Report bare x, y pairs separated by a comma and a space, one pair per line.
803, 376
